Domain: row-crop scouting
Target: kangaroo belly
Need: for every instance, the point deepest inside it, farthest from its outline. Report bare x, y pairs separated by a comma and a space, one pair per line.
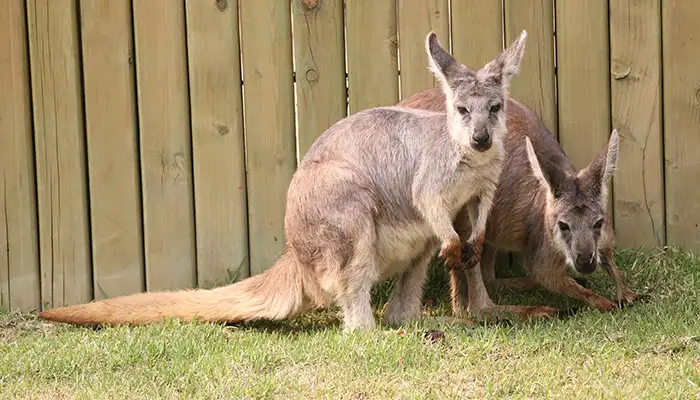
398, 245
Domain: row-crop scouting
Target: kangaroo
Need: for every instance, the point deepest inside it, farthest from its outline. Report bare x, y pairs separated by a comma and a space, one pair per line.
544, 209
374, 196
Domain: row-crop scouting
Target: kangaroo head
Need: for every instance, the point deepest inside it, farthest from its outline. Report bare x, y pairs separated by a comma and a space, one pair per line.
475, 100
576, 204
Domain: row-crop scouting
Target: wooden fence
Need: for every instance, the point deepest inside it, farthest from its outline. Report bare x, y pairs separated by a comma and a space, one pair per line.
148, 144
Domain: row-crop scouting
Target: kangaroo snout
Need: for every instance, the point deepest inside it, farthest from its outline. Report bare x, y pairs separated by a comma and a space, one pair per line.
481, 141
586, 263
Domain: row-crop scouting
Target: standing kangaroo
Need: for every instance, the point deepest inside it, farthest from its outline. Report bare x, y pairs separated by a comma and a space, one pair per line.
375, 196
545, 209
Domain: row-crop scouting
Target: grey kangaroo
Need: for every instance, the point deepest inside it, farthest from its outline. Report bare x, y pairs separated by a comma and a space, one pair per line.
544, 209
374, 197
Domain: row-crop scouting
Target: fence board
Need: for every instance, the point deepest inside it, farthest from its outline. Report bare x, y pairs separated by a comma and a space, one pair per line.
477, 31
217, 140
19, 265
60, 152
534, 86
166, 163
372, 54
583, 83
269, 124
110, 118
416, 19
319, 49
635, 47
681, 101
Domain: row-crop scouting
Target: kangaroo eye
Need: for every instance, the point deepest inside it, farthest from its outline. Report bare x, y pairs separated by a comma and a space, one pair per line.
563, 226
495, 108
462, 110
598, 224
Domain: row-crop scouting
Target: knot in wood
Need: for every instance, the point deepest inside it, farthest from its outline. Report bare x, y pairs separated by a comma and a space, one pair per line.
394, 47
221, 5
222, 130
311, 75
620, 71
310, 4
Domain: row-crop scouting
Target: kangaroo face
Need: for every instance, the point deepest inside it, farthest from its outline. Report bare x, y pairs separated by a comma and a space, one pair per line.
576, 204
475, 100
577, 230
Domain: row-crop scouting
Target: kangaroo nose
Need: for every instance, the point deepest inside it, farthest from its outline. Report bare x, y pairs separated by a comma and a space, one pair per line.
481, 140
585, 262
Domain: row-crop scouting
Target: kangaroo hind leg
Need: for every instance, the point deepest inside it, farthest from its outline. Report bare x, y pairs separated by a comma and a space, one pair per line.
405, 301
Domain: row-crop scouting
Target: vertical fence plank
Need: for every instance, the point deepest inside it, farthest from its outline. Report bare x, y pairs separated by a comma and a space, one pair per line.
635, 47
110, 119
166, 161
372, 54
269, 124
477, 31
681, 101
534, 86
416, 19
319, 49
19, 247
60, 152
583, 84
217, 140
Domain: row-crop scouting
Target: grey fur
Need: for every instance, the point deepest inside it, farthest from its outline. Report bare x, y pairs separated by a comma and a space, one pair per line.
376, 194
538, 189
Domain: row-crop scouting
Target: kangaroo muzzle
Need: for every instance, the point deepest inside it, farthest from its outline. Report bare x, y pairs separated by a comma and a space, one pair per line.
481, 141
586, 263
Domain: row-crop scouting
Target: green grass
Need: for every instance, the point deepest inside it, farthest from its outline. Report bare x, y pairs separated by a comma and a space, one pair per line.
650, 350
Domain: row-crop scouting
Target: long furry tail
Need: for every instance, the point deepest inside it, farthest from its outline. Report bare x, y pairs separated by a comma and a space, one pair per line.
286, 289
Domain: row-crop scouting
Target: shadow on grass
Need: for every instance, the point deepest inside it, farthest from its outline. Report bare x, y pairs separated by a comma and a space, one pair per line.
644, 272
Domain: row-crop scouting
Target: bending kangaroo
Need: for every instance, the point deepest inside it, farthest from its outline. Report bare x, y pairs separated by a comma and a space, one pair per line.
544, 209
374, 196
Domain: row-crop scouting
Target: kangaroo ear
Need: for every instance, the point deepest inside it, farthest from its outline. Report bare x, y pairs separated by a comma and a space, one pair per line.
445, 67
548, 174
507, 63
535, 164
598, 173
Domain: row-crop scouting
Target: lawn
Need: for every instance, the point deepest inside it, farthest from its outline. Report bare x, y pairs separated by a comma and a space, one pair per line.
650, 350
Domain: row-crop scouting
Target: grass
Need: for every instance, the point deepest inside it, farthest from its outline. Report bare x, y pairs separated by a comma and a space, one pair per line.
650, 350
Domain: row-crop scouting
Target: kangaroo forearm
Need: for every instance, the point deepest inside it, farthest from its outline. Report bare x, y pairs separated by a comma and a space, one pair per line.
479, 211
569, 287
438, 217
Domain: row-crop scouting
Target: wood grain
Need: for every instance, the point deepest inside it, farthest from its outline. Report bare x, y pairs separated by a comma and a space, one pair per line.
217, 140
635, 53
416, 19
534, 86
583, 82
269, 124
19, 241
59, 139
681, 102
166, 156
112, 141
372, 54
477, 31
320, 64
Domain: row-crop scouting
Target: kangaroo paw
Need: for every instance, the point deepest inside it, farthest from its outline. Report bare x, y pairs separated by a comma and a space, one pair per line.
471, 253
451, 252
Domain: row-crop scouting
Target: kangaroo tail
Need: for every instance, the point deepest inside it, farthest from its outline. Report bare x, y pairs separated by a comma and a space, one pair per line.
286, 289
